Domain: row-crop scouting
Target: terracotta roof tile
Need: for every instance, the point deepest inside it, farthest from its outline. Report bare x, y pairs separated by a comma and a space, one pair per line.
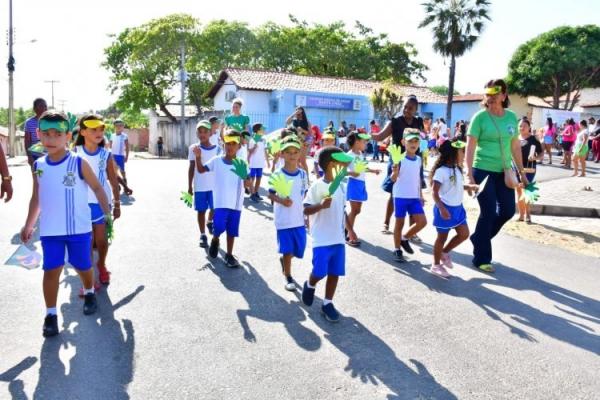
256, 79
468, 97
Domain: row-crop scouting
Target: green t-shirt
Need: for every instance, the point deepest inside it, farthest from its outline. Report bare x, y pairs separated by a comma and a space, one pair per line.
488, 155
239, 122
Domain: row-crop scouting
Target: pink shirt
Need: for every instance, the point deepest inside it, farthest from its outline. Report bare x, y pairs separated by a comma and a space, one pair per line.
569, 134
549, 131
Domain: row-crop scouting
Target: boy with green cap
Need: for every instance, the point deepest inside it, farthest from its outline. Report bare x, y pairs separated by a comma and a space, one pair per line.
324, 204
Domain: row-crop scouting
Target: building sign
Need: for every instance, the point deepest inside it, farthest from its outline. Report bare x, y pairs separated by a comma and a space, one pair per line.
332, 103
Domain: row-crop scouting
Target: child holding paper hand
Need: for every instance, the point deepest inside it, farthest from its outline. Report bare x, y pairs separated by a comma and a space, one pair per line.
60, 200
231, 173
258, 157
407, 192
448, 213
357, 189
203, 183
328, 141
288, 186
324, 204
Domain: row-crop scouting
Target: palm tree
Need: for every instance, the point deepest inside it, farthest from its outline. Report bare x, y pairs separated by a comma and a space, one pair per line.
456, 26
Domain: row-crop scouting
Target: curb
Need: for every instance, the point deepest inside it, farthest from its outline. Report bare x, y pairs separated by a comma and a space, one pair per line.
564, 211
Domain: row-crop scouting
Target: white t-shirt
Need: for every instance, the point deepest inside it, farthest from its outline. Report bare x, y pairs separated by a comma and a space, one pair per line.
443, 132
214, 139
99, 162
451, 185
204, 182
118, 146
580, 136
242, 152
408, 184
229, 192
326, 226
257, 158
356, 156
293, 216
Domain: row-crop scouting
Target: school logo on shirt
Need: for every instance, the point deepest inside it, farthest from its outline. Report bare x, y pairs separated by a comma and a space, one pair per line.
102, 164
511, 130
69, 179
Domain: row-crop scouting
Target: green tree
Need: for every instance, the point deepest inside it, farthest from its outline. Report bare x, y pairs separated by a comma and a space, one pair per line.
563, 60
456, 26
442, 90
144, 61
386, 101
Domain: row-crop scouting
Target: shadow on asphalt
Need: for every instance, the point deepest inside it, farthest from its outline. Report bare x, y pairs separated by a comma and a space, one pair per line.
93, 356
587, 238
264, 304
495, 304
16, 387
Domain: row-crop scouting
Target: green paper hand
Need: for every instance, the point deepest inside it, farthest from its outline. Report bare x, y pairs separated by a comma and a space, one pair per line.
257, 138
396, 153
36, 148
282, 186
110, 232
72, 121
340, 174
240, 168
360, 166
187, 198
530, 193
274, 147
38, 172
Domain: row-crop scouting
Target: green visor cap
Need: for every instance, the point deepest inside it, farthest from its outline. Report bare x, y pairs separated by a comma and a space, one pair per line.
459, 144
203, 124
61, 126
364, 136
411, 136
290, 143
342, 157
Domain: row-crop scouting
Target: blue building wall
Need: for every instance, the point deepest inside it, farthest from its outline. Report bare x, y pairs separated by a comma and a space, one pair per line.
460, 111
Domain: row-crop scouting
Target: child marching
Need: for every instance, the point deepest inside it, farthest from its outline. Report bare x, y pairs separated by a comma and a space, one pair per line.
60, 198
258, 157
90, 145
324, 204
407, 192
203, 183
232, 174
288, 186
448, 211
357, 188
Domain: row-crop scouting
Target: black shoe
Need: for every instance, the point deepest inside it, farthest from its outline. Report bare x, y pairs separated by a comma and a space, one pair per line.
254, 197
90, 305
398, 256
330, 313
231, 261
308, 295
203, 241
209, 226
406, 246
246, 191
213, 250
50, 326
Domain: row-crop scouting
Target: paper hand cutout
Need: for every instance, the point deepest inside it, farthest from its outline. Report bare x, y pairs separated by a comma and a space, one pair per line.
282, 186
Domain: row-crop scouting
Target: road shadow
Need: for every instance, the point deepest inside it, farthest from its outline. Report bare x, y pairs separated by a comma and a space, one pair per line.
262, 208
93, 356
16, 387
264, 304
586, 237
372, 361
481, 293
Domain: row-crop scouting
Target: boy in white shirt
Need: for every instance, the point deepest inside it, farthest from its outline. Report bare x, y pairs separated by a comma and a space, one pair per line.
258, 157
288, 210
231, 174
327, 220
203, 184
407, 193
119, 145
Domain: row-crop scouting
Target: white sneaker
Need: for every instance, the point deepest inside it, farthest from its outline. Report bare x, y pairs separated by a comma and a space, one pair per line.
439, 270
290, 285
447, 261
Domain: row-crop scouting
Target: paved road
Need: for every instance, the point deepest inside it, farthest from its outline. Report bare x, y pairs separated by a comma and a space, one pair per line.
172, 325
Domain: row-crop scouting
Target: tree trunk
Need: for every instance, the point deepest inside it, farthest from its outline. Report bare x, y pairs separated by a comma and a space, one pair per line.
163, 108
450, 91
556, 94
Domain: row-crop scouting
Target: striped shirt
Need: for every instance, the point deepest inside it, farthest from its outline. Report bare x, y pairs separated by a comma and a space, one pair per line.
31, 126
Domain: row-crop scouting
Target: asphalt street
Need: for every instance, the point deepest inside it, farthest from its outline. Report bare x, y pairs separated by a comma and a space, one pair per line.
175, 325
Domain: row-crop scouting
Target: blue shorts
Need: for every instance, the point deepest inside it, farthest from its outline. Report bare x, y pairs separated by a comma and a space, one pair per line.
387, 184
203, 201
120, 160
357, 190
79, 247
292, 241
97, 214
410, 206
226, 219
329, 260
255, 172
548, 140
432, 144
458, 217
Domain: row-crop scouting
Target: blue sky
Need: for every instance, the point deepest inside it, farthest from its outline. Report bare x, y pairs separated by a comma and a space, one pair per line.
71, 38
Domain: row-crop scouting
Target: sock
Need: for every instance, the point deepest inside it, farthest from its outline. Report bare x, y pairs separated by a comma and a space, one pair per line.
403, 238
398, 248
88, 291
51, 311
309, 285
326, 301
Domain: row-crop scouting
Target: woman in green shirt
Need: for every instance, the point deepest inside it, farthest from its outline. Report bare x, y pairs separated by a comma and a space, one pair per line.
492, 146
236, 120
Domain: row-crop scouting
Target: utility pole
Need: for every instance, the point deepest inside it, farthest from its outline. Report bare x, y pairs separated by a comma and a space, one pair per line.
11, 68
62, 104
52, 82
183, 78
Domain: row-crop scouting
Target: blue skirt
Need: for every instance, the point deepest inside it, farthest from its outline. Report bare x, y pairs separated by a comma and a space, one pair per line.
458, 216
357, 190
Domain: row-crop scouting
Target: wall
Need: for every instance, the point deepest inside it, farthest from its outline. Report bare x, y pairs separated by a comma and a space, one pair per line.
138, 139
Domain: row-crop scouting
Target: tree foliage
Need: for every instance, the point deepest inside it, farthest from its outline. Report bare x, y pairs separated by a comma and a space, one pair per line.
456, 25
561, 61
386, 101
442, 90
144, 61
